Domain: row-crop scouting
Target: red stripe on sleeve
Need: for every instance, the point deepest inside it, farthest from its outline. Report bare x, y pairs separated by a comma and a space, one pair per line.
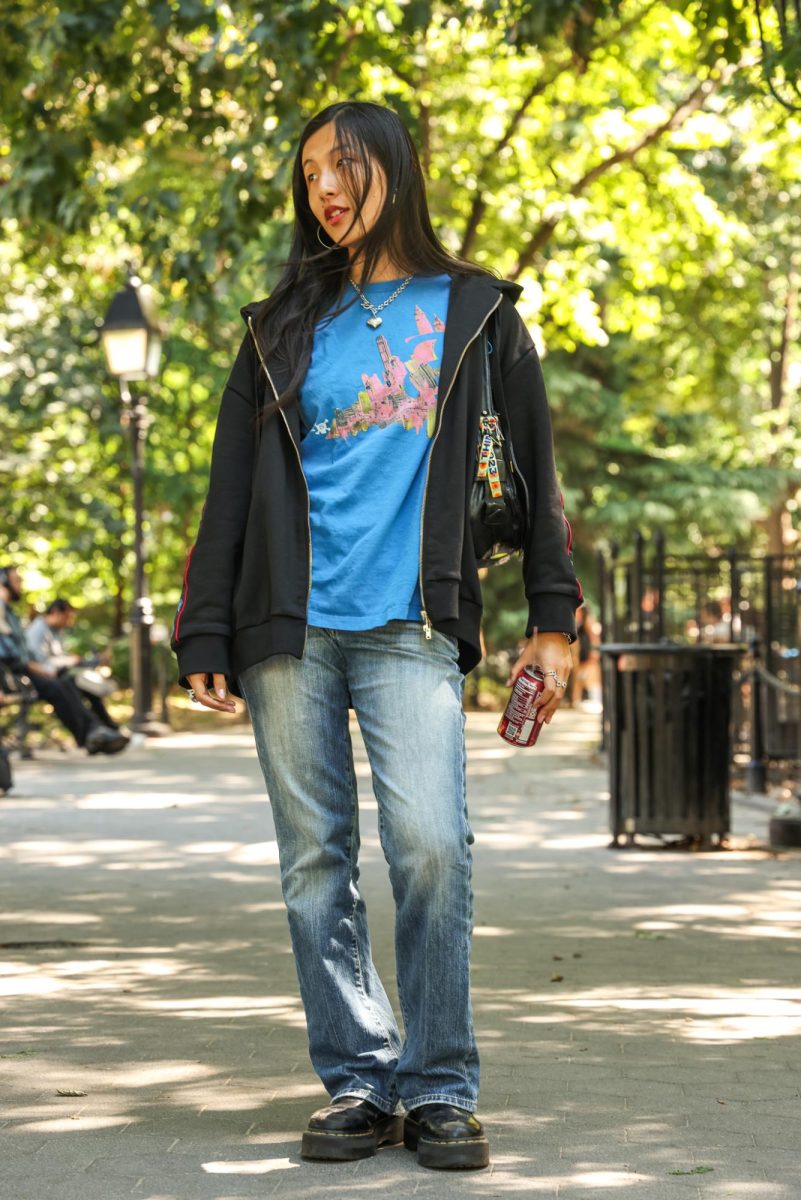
570, 544
184, 595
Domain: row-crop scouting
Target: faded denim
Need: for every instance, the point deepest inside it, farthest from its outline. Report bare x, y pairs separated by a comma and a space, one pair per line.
407, 696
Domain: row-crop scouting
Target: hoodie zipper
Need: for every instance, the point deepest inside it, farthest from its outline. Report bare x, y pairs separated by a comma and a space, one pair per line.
427, 626
302, 473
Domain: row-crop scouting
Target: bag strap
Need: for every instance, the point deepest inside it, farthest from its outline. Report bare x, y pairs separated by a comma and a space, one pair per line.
497, 399
493, 382
488, 405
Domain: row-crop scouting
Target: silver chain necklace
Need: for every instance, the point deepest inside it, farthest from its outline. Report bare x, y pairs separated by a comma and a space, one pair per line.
374, 321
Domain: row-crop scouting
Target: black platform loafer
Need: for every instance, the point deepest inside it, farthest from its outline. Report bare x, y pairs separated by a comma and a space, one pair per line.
446, 1138
350, 1128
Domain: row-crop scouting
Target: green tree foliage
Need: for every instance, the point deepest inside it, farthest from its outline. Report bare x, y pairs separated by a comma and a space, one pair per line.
626, 162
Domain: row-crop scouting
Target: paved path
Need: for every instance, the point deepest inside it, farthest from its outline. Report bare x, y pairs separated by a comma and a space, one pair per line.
637, 1011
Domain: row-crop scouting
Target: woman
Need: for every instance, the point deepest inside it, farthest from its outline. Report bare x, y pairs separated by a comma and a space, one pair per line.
334, 568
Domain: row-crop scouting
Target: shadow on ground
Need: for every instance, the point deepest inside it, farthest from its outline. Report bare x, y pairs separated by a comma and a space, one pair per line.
637, 1011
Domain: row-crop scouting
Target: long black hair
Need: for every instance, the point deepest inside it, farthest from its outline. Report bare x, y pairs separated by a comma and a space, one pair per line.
315, 275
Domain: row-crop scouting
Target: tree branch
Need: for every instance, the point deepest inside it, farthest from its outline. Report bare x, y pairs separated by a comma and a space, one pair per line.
681, 113
479, 205
780, 352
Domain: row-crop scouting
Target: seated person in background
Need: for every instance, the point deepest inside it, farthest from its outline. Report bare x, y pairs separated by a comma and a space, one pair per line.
64, 696
7, 680
42, 636
587, 681
46, 647
5, 628
715, 627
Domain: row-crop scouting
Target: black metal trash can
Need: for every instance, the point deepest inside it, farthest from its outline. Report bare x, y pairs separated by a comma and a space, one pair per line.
667, 718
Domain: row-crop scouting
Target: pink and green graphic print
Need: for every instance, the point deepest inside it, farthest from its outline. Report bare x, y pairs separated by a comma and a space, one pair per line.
402, 392
368, 409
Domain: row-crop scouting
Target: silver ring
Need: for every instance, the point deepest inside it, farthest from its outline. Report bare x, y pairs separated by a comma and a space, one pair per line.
192, 696
546, 673
560, 684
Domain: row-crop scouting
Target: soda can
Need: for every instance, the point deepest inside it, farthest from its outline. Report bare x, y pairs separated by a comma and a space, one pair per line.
519, 725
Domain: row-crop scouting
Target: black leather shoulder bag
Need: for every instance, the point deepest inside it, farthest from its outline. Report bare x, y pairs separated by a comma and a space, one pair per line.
498, 497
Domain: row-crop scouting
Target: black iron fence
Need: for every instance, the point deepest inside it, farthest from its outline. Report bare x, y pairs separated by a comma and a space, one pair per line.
652, 596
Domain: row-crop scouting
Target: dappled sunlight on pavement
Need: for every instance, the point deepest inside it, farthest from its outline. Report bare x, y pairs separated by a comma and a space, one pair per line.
637, 1011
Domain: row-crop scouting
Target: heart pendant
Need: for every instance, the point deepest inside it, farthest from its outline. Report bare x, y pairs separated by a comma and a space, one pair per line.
374, 322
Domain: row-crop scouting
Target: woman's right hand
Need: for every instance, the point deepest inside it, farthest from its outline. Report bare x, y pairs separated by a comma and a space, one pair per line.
216, 696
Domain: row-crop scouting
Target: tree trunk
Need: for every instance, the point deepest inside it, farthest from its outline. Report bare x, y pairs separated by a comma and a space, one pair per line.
778, 523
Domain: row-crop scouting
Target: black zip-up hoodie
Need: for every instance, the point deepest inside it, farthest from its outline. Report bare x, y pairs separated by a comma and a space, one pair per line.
247, 577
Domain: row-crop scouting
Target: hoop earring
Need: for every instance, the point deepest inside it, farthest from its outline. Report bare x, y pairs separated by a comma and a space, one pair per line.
324, 245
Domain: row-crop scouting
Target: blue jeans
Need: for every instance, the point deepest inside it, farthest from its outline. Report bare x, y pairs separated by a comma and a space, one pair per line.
407, 695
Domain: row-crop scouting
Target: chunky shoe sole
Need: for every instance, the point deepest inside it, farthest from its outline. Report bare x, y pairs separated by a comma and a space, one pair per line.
324, 1144
443, 1154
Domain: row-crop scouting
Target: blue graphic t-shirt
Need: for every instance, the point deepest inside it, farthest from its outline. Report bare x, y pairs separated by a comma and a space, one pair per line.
367, 407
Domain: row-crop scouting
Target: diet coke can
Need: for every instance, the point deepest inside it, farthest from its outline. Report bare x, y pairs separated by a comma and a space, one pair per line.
519, 725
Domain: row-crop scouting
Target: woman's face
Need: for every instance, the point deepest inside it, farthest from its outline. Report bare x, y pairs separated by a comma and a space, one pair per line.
331, 172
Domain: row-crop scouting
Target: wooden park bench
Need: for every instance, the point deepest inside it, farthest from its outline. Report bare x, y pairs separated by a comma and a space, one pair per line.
22, 727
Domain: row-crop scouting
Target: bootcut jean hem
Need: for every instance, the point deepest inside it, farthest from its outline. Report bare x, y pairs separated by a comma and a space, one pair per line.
440, 1098
386, 1106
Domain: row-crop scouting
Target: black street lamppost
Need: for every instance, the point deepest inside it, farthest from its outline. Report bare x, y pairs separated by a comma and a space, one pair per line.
131, 338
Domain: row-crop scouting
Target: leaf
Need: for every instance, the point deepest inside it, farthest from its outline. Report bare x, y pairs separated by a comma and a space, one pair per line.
69, 1092
657, 293
693, 1171
557, 978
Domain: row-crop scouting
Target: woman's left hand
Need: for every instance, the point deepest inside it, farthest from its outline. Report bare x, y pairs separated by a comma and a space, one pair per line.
549, 652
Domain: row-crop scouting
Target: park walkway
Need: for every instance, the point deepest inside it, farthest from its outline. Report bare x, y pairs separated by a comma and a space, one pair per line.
637, 1011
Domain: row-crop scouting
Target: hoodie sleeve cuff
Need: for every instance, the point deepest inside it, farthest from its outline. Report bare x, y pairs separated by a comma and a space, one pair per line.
552, 614
205, 653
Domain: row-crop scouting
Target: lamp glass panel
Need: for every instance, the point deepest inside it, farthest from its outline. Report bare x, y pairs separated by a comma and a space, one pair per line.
126, 351
153, 355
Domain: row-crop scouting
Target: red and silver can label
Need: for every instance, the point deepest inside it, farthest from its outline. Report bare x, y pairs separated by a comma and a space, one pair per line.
519, 725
